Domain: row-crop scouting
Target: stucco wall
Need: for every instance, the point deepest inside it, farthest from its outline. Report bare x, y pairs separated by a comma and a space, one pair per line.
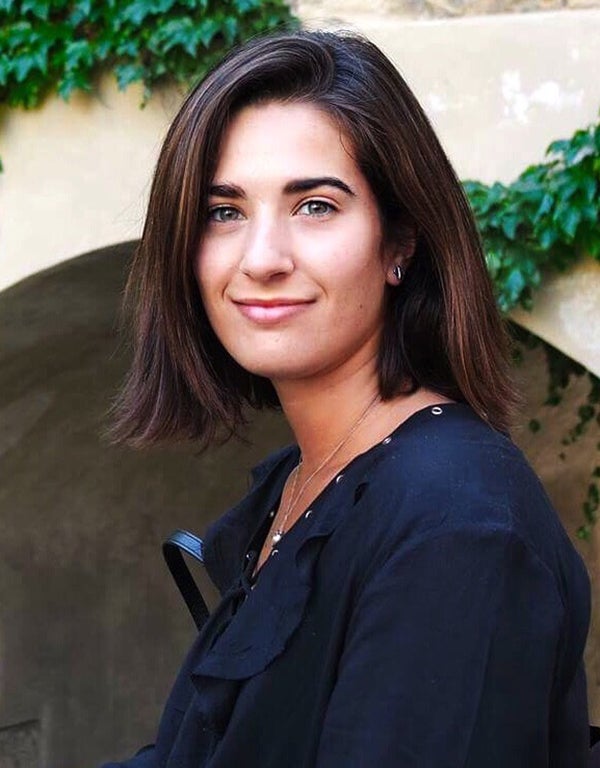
498, 89
420, 9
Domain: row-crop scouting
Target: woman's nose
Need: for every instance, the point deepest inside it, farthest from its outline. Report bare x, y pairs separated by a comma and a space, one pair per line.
267, 250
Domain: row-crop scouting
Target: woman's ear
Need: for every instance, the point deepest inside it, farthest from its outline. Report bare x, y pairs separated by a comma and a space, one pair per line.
399, 257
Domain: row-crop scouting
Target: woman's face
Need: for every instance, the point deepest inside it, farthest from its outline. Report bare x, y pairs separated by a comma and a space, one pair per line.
292, 269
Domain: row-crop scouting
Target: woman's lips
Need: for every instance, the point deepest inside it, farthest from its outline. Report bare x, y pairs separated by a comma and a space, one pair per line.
266, 312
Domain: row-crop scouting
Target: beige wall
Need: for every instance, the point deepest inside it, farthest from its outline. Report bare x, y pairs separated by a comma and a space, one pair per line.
433, 8
498, 89
76, 175
567, 313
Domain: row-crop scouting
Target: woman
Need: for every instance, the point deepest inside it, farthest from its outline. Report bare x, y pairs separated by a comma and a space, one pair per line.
396, 588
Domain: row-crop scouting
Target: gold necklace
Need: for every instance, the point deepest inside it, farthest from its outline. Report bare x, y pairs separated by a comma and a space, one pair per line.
294, 497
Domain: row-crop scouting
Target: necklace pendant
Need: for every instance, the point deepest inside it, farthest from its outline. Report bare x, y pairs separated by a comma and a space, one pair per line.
276, 537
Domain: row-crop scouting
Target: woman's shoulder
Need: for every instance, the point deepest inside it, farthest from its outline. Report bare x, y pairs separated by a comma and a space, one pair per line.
444, 471
451, 451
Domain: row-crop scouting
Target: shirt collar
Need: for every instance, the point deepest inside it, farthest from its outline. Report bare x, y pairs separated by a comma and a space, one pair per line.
227, 539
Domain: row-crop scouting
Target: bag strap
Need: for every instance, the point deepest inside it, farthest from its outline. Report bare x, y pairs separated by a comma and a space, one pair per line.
173, 548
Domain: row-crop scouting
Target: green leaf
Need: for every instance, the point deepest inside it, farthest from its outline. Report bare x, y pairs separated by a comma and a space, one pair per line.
18, 34
544, 208
75, 80
207, 30
568, 219
558, 147
129, 48
230, 29
39, 8
515, 283
244, 6
547, 237
584, 532
22, 66
590, 187
127, 74
509, 226
138, 10
5, 68
78, 54
180, 32
81, 10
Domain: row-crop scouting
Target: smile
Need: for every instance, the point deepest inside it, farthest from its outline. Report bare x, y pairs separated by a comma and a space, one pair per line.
270, 311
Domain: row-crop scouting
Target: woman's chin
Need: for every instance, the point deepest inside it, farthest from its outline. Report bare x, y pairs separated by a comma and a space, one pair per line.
269, 367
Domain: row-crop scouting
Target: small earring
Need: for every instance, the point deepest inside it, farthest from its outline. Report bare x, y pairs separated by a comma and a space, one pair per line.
397, 272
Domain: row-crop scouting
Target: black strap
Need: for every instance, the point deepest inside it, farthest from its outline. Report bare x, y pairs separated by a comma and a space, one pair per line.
172, 548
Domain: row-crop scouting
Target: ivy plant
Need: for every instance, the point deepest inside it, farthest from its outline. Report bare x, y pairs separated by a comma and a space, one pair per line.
542, 222
49, 46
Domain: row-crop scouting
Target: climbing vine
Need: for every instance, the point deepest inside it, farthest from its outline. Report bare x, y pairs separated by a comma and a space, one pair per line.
543, 222
49, 46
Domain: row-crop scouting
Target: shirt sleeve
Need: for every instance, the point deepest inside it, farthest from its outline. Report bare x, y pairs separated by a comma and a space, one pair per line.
448, 660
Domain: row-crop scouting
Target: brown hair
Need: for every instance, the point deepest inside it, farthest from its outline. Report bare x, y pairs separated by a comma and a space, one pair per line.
442, 329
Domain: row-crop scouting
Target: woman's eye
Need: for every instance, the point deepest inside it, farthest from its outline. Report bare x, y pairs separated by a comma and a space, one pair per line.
223, 214
316, 208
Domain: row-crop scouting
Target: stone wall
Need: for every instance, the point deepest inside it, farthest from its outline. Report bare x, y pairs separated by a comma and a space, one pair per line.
416, 9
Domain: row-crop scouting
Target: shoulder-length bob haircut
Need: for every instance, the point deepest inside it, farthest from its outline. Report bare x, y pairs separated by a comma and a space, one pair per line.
441, 328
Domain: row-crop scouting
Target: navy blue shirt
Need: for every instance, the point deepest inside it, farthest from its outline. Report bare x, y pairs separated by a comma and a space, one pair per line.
427, 611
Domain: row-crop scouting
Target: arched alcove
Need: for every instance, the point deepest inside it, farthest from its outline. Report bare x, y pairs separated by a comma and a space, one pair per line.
92, 629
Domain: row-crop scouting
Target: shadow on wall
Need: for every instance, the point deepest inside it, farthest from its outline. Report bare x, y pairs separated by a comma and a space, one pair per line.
92, 629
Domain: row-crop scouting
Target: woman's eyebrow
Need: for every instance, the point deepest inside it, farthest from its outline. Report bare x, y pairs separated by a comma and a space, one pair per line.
306, 185
292, 187
226, 190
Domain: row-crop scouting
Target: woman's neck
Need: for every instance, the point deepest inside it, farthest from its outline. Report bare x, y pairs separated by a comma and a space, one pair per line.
322, 415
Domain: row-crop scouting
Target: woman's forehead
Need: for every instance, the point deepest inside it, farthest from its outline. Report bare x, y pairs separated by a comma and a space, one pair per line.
278, 141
